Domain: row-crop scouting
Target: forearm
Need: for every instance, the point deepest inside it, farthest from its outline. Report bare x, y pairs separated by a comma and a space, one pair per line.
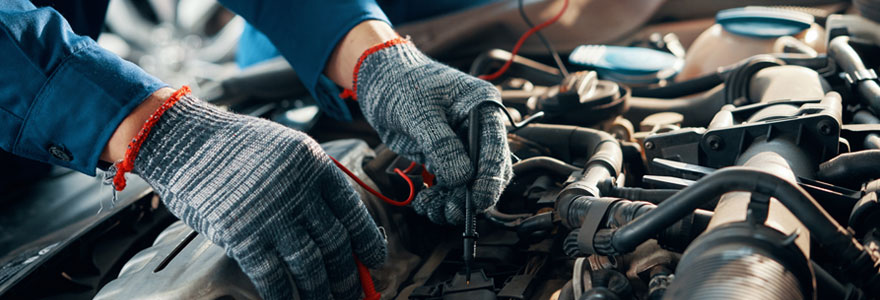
115, 148
340, 66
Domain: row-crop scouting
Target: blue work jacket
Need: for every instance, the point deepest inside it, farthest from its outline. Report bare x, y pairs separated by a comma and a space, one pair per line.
62, 96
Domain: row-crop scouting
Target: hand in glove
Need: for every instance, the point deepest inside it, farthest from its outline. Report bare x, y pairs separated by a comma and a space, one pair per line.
267, 194
420, 109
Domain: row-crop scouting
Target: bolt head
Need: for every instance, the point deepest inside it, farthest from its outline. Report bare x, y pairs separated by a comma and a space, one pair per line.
714, 142
824, 127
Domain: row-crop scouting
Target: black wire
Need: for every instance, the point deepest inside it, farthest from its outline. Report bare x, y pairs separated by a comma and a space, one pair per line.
522, 12
515, 125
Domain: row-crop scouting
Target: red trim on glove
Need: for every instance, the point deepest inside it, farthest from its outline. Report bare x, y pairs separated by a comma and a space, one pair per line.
352, 93
127, 163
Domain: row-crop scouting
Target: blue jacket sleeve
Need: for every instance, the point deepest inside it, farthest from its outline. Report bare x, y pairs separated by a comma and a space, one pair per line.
61, 95
306, 32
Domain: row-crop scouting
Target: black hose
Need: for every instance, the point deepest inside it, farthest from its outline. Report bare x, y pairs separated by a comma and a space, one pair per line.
540, 223
852, 168
681, 89
869, 9
570, 142
544, 163
872, 140
693, 109
577, 210
865, 117
731, 179
608, 284
506, 220
870, 91
639, 194
826, 285
848, 59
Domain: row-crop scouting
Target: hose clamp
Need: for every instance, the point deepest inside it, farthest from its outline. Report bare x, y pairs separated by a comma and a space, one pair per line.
592, 222
859, 76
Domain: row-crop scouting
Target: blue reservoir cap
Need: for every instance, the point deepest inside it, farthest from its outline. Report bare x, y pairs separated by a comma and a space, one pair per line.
763, 22
627, 64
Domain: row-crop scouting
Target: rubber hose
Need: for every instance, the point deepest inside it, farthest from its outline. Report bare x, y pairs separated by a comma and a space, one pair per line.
570, 142
826, 285
870, 9
681, 89
849, 60
872, 140
852, 168
544, 163
639, 194
693, 109
613, 280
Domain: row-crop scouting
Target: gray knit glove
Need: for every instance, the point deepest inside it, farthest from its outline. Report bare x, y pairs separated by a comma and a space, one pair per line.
267, 194
420, 109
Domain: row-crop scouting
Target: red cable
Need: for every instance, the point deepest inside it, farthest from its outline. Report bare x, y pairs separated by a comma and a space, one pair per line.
366, 280
376, 193
367, 285
411, 166
520, 42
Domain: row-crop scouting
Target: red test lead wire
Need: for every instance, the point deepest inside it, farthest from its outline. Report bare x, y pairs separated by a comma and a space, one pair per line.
520, 42
376, 193
367, 285
366, 280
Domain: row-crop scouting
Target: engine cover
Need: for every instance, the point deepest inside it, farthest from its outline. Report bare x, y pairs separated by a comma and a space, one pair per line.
200, 270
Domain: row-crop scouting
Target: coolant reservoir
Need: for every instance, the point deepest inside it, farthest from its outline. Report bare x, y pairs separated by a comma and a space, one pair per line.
743, 32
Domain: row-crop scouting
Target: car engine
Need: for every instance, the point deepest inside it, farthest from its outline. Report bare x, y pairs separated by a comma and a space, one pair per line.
742, 168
